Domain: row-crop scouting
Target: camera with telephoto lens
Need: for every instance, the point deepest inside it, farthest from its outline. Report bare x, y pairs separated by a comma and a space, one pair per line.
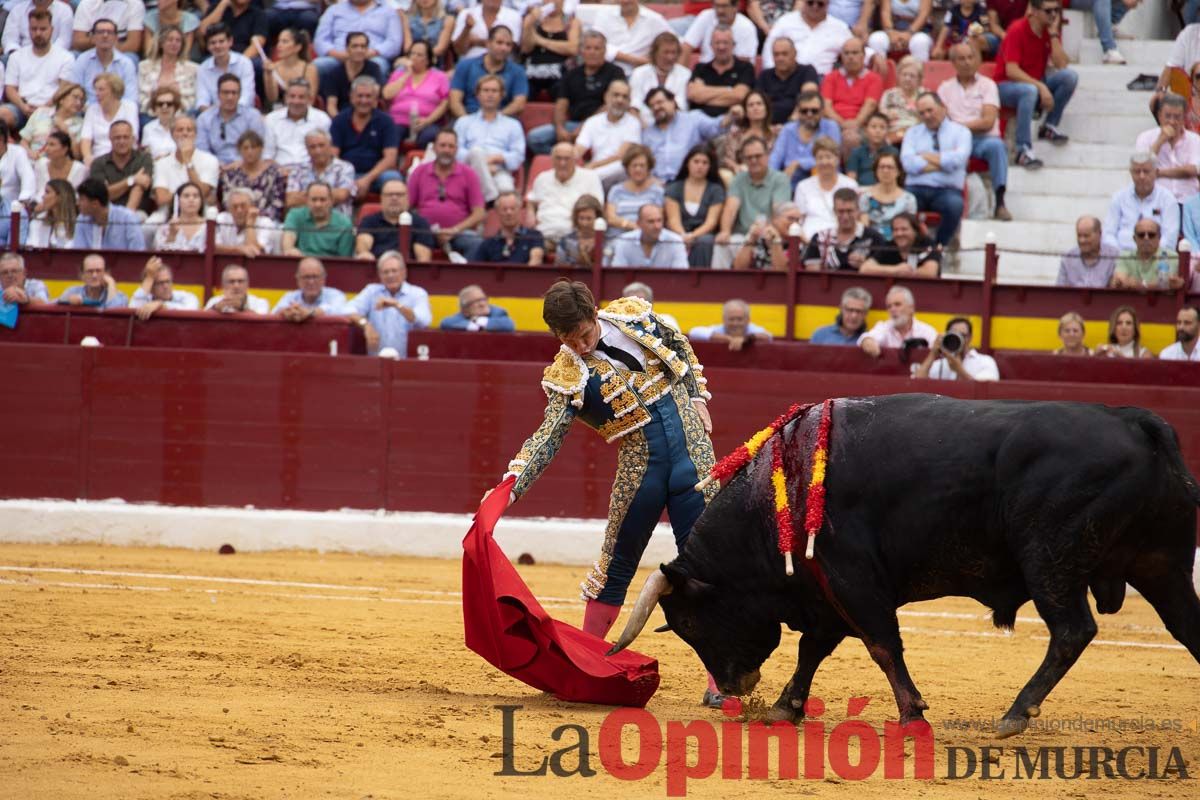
952, 342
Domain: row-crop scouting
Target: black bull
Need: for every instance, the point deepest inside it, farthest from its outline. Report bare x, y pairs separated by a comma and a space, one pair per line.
1000, 501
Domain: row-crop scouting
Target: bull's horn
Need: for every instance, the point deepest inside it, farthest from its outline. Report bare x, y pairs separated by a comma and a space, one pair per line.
656, 586
663, 628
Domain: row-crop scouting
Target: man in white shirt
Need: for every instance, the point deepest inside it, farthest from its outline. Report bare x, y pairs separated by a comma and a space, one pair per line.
608, 134
34, 72
901, 325
470, 34
817, 36
235, 294
242, 231
221, 60
555, 191
735, 329
158, 291
184, 165
17, 181
629, 29
16, 30
959, 362
287, 126
723, 12
1187, 327
130, 16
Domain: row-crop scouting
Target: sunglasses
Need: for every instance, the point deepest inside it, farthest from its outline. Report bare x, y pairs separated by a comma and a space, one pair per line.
441, 192
165, 104
816, 3
222, 130
1146, 235
1052, 12
808, 111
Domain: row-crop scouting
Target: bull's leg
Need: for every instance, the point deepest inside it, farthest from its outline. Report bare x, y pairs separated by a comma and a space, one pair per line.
1175, 601
887, 650
1072, 627
814, 647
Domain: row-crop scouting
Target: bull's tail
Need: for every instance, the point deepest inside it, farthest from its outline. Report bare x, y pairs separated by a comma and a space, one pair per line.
1166, 442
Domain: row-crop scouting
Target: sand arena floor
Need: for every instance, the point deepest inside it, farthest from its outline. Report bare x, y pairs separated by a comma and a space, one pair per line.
176, 674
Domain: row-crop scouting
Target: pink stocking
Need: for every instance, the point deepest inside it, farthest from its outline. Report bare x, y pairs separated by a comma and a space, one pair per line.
599, 617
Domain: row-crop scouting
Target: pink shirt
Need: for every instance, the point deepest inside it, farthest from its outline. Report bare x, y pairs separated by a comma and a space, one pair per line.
886, 334
1185, 152
428, 96
451, 206
965, 103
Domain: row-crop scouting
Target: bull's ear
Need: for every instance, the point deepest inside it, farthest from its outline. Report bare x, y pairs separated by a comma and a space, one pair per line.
676, 575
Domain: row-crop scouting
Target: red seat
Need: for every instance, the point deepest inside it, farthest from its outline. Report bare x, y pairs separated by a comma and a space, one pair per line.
936, 72
536, 114
366, 210
889, 80
668, 10
977, 165
539, 165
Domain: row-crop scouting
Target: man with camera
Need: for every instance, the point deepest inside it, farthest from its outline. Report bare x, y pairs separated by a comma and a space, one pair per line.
952, 358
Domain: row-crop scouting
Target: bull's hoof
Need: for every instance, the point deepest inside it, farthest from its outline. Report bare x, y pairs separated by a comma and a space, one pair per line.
912, 716
1010, 726
784, 713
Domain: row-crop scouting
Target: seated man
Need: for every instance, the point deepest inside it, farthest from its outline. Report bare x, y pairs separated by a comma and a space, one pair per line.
35, 71
311, 298
101, 226
334, 86
15, 287
675, 132
322, 165
235, 294
1187, 326
316, 229
629, 28
735, 329
643, 290
1176, 150
608, 134
582, 93
103, 56
99, 288
469, 36
241, 230
513, 243
158, 292
847, 246
222, 61
723, 13
387, 310
722, 83
818, 37
366, 137
475, 313
490, 142
128, 172
651, 245
1091, 262
555, 192
851, 321
288, 126
852, 93
786, 81
765, 243
380, 232
219, 127
753, 195
496, 63
900, 326
128, 21
955, 358
448, 194
934, 156
792, 153
1142, 199
384, 34
186, 164
1149, 265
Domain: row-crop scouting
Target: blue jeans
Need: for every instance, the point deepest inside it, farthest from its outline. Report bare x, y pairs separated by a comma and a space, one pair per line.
1102, 11
1023, 97
945, 201
992, 150
541, 140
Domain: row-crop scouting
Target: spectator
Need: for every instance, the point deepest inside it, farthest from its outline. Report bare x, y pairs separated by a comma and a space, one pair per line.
513, 243
1090, 264
1104, 12
966, 22
158, 292
851, 321
650, 245
475, 313
104, 227
818, 37
735, 329
1185, 55
17, 33
186, 228
625, 200
447, 193
674, 133
901, 325
169, 69
693, 203
753, 117
1003, 13
663, 70
1187, 326
428, 22
157, 141
54, 218
235, 294
556, 191
723, 13
1191, 224
65, 113
322, 165
315, 229
128, 173
186, 164
366, 137
495, 63
765, 13
905, 27
385, 37
380, 232
389, 309
108, 108
814, 194
765, 244
247, 23
550, 38
473, 27
1071, 331
609, 134
1030, 45
1176, 150
98, 290
629, 30
973, 101
576, 248
241, 230
961, 362
935, 155
169, 14
222, 61
128, 19
719, 84
15, 286
581, 95
1149, 266
852, 93
899, 103
311, 298
1143, 199
34, 72
56, 162
793, 150
6, 233
103, 58
287, 127
908, 253
492, 143
861, 164
753, 196
848, 244
786, 81
335, 84
1124, 336
419, 96
642, 290
219, 128
291, 64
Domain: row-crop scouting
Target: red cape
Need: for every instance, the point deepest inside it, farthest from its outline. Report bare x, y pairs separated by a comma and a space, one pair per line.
506, 625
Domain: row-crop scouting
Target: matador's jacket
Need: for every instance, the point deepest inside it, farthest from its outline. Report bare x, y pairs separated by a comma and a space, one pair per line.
663, 445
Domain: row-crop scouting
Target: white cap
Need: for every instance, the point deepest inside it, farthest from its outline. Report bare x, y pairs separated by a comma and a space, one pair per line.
89, 341
990, 237
600, 225
1184, 246
795, 229
210, 212
390, 352
405, 218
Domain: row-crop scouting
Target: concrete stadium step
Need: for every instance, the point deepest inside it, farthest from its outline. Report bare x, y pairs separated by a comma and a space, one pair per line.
1014, 268
1053, 181
1148, 55
1110, 102
1052, 208
1089, 129
1084, 155
1051, 238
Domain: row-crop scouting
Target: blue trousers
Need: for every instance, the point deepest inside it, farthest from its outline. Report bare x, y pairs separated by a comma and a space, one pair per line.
992, 150
1102, 11
945, 201
1023, 97
541, 140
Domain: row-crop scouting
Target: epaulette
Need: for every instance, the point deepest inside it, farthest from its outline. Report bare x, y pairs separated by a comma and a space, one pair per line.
567, 374
627, 309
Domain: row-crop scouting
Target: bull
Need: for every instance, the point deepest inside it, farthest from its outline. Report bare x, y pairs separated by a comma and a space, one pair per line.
926, 497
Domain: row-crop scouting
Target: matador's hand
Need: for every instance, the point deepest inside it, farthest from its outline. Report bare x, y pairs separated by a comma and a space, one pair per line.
702, 410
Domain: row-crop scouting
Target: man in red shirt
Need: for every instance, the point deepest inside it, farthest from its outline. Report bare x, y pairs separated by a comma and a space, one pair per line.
1029, 47
851, 94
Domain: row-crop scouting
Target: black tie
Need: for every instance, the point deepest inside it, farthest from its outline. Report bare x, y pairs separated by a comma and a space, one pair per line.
936, 146
620, 355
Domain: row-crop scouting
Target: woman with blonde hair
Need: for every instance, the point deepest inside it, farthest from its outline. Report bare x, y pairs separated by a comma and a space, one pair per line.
169, 67
1124, 336
1071, 331
899, 104
53, 222
64, 113
100, 115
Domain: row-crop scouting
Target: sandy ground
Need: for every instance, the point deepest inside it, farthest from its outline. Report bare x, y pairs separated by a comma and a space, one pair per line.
176, 674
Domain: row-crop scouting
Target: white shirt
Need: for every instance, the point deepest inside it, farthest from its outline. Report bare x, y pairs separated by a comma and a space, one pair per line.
285, 136
819, 46
254, 305
17, 181
817, 205
41, 175
634, 40
555, 200
977, 365
41, 235
157, 140
1175, 352
170, 174
37, 76
886, 334
180, 300
16, 30
613, 337
645, 78
95, 125
1186, 50
266, 233
745, 35
506, 16
130, 15
604, 137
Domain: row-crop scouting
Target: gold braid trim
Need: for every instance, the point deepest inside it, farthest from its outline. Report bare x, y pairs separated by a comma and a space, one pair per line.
626, 309
567, 375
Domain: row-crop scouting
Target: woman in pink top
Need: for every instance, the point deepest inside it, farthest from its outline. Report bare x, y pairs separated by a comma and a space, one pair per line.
420, 97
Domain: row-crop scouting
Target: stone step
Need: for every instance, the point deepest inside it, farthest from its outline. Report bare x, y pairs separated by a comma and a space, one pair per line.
1050, 238
1089, 129
1121, 102
1147, 55
1067, 183
1083, 155
1017, 268
1054, 208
